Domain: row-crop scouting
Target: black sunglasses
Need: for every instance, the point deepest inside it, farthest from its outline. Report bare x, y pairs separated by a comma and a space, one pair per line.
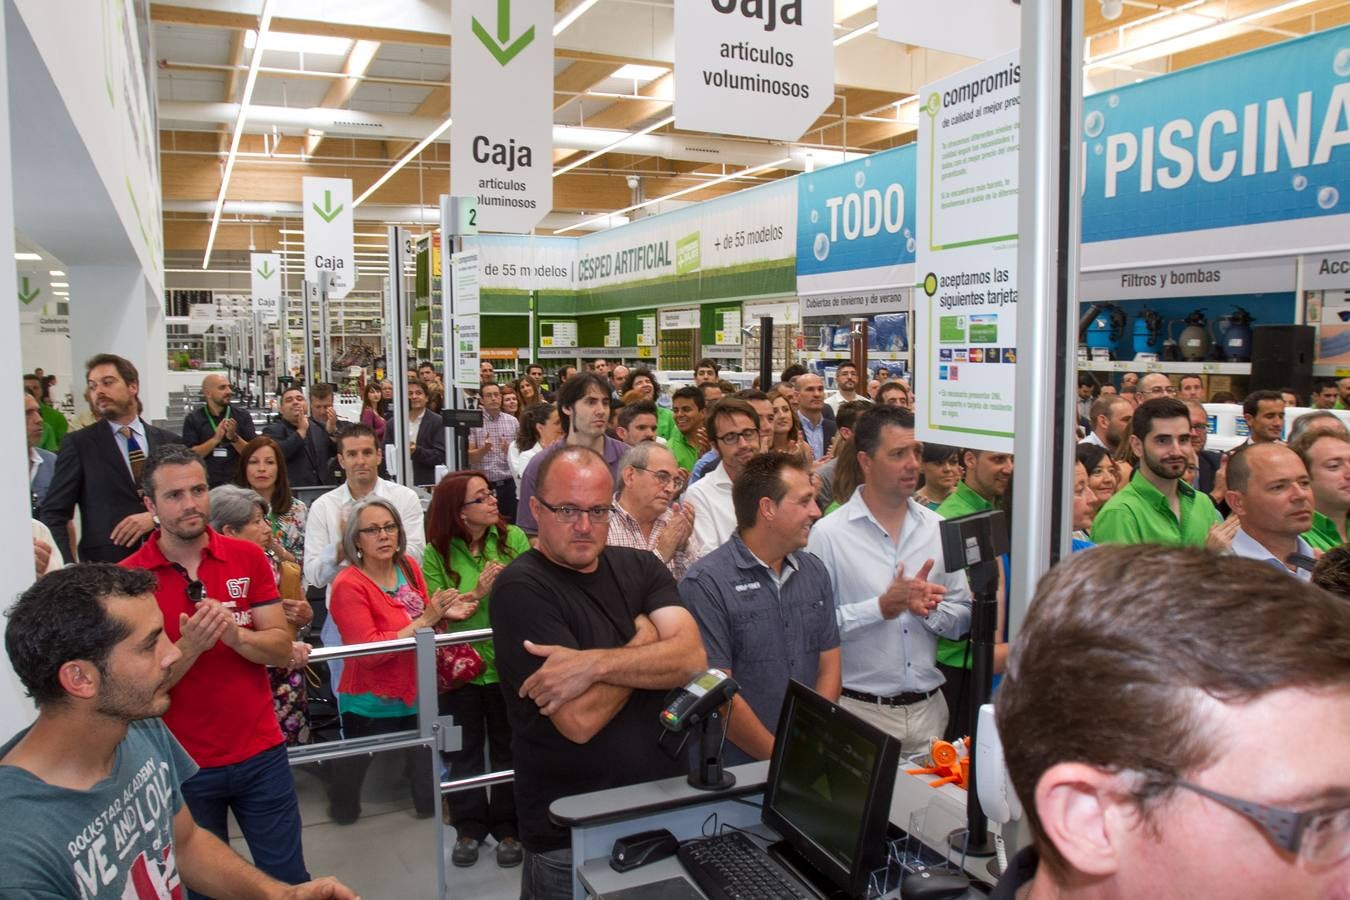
196, 591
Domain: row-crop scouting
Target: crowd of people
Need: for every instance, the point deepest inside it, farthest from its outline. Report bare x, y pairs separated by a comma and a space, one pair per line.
614, 542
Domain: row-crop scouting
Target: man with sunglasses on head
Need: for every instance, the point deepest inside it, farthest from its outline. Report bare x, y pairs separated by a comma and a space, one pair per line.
221, 609
733, 427
589, 638
1157, 779
646, 516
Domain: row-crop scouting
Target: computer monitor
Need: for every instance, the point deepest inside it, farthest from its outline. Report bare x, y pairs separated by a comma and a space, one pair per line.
829, 791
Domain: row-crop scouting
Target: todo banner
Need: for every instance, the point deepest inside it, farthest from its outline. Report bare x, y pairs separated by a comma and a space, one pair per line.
966, 313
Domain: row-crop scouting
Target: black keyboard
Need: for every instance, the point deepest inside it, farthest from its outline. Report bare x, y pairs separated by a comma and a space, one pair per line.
731, 867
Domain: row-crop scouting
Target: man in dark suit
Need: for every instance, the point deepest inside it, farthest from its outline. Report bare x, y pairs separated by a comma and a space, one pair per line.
98, 468
817, 428
299, 440
427, 431
324, 426
218, 430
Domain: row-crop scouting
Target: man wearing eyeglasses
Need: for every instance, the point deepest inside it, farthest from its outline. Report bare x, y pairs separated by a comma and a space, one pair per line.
1169, 789
1154, 385
221, 608
645, 515
734, 429
588, 640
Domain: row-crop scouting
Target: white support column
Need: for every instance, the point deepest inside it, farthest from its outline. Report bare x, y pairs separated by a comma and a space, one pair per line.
113, 310
16, 553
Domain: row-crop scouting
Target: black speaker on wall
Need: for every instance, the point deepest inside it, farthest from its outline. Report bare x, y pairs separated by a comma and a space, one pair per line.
1282, 357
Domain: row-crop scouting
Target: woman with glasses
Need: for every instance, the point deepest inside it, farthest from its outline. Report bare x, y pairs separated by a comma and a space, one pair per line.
381, 596
539, 427
468, 545
786, 430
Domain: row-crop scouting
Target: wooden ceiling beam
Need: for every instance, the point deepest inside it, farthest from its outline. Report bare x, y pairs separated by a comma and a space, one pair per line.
359, 58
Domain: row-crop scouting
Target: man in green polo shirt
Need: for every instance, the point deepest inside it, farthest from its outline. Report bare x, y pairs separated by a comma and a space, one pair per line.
1158, 506
689, 441
988, 475
1327, 457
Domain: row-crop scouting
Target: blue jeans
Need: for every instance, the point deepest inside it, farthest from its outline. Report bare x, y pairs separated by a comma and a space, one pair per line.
261, 794
546, 876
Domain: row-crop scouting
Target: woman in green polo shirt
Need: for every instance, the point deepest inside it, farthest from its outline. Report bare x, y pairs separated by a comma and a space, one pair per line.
468, 544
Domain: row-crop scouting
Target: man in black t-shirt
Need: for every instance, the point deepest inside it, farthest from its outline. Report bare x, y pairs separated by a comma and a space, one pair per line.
588, 641
218, 430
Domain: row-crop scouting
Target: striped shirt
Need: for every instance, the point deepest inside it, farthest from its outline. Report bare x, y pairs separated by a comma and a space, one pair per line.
624, 531
502, 429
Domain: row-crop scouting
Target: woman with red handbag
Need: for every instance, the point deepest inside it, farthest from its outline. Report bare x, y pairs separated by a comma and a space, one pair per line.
468, 544
380, 596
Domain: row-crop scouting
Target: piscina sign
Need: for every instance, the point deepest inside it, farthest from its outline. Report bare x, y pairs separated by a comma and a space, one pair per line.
1248, 154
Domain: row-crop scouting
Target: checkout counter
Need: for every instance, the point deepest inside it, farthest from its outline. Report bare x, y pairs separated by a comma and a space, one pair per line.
597, 819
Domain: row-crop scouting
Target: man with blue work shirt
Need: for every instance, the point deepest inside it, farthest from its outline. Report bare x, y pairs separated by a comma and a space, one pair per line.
893, 595
766, 609
1158, 506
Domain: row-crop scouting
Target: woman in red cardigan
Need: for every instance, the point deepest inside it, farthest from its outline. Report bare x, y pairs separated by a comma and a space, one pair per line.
380, 596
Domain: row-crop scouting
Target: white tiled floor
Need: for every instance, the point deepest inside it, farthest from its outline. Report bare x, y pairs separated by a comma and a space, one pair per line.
388, 854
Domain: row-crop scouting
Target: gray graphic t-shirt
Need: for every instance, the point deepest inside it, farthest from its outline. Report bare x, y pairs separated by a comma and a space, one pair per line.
113, 840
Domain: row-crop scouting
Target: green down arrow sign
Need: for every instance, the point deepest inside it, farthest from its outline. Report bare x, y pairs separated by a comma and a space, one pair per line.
328, 214
502, 48
27, 294
266, 270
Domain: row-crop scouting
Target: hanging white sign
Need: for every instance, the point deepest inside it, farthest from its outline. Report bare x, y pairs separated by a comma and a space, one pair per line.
328, 234
266, 272
756, 69
501, 143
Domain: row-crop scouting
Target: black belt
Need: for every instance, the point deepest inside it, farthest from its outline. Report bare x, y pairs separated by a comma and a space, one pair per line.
906, 699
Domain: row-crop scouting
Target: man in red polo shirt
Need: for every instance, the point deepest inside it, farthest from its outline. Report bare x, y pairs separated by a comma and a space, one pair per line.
221, 608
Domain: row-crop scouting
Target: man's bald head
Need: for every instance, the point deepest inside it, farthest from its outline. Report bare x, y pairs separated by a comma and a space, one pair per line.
216, 391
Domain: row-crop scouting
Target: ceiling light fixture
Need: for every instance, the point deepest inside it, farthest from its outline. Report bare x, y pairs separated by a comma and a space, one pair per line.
855, 33
407, 158
56, 273
572, 15
27, 257
1111, 9
751, 170
603, 150
57, 284
264, 25
635, 72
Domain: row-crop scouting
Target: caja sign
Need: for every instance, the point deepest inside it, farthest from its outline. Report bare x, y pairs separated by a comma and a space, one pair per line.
855, 223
